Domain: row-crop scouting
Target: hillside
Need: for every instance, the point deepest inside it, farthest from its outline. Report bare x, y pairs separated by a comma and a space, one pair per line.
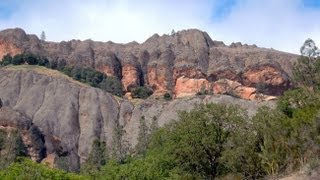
70, 115
166, 63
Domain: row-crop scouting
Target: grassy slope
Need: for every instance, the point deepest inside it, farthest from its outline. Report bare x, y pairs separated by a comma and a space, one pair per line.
44, 71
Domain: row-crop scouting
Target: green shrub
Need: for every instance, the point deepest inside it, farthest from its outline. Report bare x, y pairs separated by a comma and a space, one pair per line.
31, 59
6, 60
97, 158
167, 96
43, 62
11, 146
141, 92
26, 169
112, 85
18, 59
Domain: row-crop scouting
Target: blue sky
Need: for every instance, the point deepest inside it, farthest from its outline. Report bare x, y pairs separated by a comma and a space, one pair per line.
280, 24
314, 4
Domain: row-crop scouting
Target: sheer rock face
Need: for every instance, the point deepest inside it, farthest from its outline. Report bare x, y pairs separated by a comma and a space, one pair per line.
69, 115
130, 77
158, 79
189, 86
233, 88
10, 49
30, 134
274, 79
161, 60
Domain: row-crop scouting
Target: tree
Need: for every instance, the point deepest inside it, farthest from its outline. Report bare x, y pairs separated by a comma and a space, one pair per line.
6, 60
272, 128
306, 71
97, 158
143, 137
31, 59
173, 32
43, 36
142, 92
309, 49
167, 96
112, 85
12, 147
199, 138
24, 168
121, 146
18, 59
43, 62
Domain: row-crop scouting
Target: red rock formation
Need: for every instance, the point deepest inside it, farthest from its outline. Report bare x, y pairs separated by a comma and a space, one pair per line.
233, 88
224, 74
8, 48
161, 60
225, 86
107, 70
157, 79
190, 86
263, 74
244, 92
188, 72
130, 77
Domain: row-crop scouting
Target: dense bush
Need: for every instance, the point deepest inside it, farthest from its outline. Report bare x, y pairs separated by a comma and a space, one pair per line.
93, 78
167, 96
141, 92
26, 169
6, 60
11, 146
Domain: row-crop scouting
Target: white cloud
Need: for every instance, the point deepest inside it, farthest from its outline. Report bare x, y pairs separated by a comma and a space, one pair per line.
281, 24
119, 21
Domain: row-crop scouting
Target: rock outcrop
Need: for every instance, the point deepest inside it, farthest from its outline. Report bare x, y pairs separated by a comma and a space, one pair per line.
30, 134
69, 116
161, 60
188, 86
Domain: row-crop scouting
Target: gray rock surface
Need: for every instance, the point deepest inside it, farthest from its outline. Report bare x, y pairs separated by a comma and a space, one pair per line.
31, 135
70, 115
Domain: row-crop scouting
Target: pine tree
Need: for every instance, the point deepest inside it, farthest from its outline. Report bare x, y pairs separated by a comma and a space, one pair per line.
43, 36
143, 137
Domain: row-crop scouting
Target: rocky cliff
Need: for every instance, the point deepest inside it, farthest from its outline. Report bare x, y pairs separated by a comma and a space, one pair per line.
69, 115
181, 63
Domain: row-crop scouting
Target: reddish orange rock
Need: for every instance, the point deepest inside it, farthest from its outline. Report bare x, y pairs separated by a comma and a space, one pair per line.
189, 86
50, 160
233, 88
8, 48
106, 70
264, 74
128, 95
225, 86
130, 77
248, 93
188, 72
157, 79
